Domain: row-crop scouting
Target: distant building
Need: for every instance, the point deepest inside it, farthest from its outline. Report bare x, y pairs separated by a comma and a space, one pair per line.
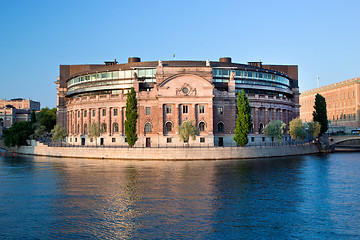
16, 110
342, 103
170, 92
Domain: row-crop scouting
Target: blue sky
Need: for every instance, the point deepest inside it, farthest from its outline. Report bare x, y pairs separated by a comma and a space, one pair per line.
321, 37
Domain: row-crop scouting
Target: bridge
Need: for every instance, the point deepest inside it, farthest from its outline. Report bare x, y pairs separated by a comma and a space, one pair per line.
345, 141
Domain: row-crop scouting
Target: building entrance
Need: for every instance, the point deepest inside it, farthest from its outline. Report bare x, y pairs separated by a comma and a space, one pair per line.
148, 142
221, 142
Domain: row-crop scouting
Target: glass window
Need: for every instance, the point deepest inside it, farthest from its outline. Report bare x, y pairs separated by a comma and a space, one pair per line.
168, 127
201, 126
104, 112
168, 140
85, 129
127, 74
185, 109
220, 127
168, 108
115, 111
202, 140
147, 111
147, 127
85, 113
149, 73
201, 109
115, 75
142, 73
93, 113
115, 127
113, 140
220, 110
225, 72
77, 114
109, 75
103, 127
103, 75
121, 75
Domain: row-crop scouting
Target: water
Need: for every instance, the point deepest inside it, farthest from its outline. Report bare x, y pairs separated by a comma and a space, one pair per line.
307, 197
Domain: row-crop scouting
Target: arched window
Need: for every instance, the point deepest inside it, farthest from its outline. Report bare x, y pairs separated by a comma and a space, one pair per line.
202, 127
115, 127
85, 129
220, 127
148, 127
261, 127
103, 127
168, 127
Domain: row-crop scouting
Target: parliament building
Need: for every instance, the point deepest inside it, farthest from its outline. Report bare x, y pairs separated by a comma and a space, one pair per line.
170, 92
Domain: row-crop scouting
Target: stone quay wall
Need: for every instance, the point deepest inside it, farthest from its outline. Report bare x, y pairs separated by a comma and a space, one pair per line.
191, 153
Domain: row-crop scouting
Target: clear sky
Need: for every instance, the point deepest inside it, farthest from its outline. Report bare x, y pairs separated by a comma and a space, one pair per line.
321, 37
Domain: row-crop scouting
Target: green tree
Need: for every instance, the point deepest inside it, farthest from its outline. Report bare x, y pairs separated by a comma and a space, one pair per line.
33, 117
243, 119
131, 114
320, 113
297, 129
95, 131
18, 133
58, 133
47, 118
275, 130
313, 129
39, 130
187, 130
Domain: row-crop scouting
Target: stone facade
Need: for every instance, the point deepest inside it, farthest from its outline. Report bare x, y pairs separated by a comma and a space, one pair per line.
342, 103
169, 93
16, 110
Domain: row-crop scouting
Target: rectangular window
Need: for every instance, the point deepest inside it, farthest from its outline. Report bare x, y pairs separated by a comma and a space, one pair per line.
113, 140
168, 108
185, 109
104, 112
252, 139
78, 114
220, 110
168, 140
93, 113
116, 111
201, 109
202, 140
263, 139
147, 110
75, 139
85, 113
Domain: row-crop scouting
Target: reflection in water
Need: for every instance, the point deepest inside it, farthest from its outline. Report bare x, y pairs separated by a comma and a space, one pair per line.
298, 197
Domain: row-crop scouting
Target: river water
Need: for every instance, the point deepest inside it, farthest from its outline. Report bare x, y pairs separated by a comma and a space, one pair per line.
305, 197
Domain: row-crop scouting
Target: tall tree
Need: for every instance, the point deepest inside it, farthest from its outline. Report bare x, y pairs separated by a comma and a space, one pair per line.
18, 133
313, 129
187, 130
47, 117
320, 113
275, 130
297, 129
243, 119
131, 114
95, 131
59, 133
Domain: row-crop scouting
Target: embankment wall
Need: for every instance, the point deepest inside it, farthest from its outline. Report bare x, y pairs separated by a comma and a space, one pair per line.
193, 153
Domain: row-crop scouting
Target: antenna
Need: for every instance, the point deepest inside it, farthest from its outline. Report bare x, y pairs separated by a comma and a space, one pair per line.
317, 81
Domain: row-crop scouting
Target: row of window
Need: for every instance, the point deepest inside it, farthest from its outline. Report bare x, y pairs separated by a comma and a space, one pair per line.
147, 127
168, 108
121, 74
251, 75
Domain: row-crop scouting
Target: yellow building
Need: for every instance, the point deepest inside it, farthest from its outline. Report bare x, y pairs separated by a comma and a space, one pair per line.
342, 103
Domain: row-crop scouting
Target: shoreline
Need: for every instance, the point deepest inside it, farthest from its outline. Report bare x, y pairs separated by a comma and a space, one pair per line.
176, 154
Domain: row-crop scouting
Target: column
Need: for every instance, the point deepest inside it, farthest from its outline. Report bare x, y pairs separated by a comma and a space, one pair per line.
177, 114
256, 120
108, 121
